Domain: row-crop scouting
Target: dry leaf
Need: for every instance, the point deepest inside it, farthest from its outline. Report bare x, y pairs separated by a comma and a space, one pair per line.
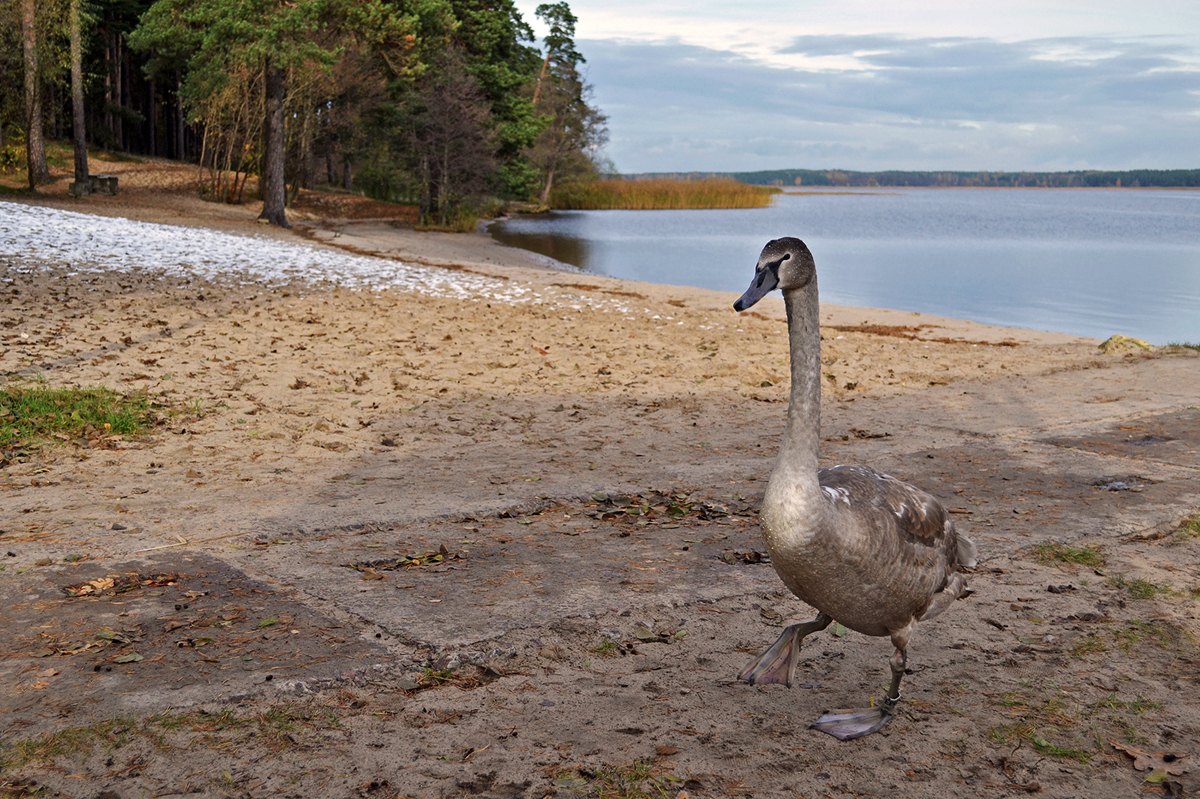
1154, 761
110, 635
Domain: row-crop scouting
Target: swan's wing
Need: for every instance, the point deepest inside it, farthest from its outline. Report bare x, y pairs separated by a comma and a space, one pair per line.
914, 521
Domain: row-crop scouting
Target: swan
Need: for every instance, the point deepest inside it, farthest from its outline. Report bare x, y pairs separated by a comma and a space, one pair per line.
866, 550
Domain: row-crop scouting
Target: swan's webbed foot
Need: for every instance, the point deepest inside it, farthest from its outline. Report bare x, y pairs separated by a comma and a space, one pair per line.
846, 725
778, 663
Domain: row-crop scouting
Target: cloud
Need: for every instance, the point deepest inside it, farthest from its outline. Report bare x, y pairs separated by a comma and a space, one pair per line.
901, 102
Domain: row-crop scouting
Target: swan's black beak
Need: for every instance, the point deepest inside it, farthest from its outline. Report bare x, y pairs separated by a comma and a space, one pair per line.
765, 279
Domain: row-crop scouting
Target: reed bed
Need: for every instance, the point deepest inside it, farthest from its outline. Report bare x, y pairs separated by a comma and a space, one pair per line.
645, 195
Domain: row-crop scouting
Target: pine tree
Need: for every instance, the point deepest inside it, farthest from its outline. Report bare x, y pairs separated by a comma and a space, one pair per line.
39, 172
218, 40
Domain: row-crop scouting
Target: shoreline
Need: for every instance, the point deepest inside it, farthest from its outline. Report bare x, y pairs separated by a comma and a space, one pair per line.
481, 252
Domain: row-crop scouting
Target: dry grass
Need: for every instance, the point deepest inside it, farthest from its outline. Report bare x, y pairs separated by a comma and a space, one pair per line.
643, 195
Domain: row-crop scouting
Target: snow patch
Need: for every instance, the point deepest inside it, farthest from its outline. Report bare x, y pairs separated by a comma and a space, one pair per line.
89, 243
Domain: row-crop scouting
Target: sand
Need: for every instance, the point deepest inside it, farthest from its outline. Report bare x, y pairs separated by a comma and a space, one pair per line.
589, 465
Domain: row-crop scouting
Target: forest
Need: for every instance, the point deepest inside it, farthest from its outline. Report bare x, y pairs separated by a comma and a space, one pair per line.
451, 105
1083, 178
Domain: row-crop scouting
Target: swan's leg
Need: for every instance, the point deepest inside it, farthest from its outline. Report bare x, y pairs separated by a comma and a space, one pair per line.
897, 664
778, 663
849, 724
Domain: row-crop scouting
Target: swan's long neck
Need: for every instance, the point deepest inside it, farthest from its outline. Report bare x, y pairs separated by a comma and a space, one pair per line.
791, 507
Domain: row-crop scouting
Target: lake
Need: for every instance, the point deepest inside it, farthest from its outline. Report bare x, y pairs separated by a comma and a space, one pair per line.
1086, 262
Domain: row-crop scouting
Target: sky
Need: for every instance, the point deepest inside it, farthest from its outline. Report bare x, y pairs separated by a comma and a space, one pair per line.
1042, 85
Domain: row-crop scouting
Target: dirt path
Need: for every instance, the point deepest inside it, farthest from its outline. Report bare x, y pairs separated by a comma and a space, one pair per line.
383, 545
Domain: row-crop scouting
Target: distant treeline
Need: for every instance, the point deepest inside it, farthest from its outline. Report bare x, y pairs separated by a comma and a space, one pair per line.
1089, 178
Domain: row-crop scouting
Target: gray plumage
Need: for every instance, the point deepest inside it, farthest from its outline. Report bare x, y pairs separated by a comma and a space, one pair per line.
865, 549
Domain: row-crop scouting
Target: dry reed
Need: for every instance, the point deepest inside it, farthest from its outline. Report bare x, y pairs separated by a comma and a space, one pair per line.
643, 195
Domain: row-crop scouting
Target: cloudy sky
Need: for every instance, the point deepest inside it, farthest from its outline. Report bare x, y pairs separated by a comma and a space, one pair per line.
929, 84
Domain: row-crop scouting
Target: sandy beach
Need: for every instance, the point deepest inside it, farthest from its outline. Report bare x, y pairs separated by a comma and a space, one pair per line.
587, 455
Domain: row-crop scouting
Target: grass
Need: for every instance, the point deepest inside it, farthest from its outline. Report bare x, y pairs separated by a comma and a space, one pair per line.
32, 416
1184, 345
1048, 720
1189, 531
1059, 554
643, 195
463, 222
606, 649
1009, 733
1161, 633
637, 779
1138, 705
1139, 589
1088, 646
111, 734
275, 726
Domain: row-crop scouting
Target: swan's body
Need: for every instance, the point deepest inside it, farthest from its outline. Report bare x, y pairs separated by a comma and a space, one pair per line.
866, 550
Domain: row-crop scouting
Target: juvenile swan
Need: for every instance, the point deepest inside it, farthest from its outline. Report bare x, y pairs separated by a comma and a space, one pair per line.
863, 548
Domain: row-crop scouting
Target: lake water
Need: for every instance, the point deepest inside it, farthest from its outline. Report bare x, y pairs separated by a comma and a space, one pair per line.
1091, 263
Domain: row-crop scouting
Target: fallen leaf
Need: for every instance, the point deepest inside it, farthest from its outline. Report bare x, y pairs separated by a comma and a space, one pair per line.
1144, 760
748, 558
771, 615
132, 657
666, 751
110, 635
646, 636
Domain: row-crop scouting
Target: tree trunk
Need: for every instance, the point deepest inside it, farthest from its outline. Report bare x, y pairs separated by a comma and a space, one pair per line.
78, 127
537, 90
121, 94
152, 116
272, 186
545, 198
180, 148
35, 144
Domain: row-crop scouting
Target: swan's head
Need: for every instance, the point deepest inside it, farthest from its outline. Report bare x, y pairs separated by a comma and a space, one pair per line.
784, 264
